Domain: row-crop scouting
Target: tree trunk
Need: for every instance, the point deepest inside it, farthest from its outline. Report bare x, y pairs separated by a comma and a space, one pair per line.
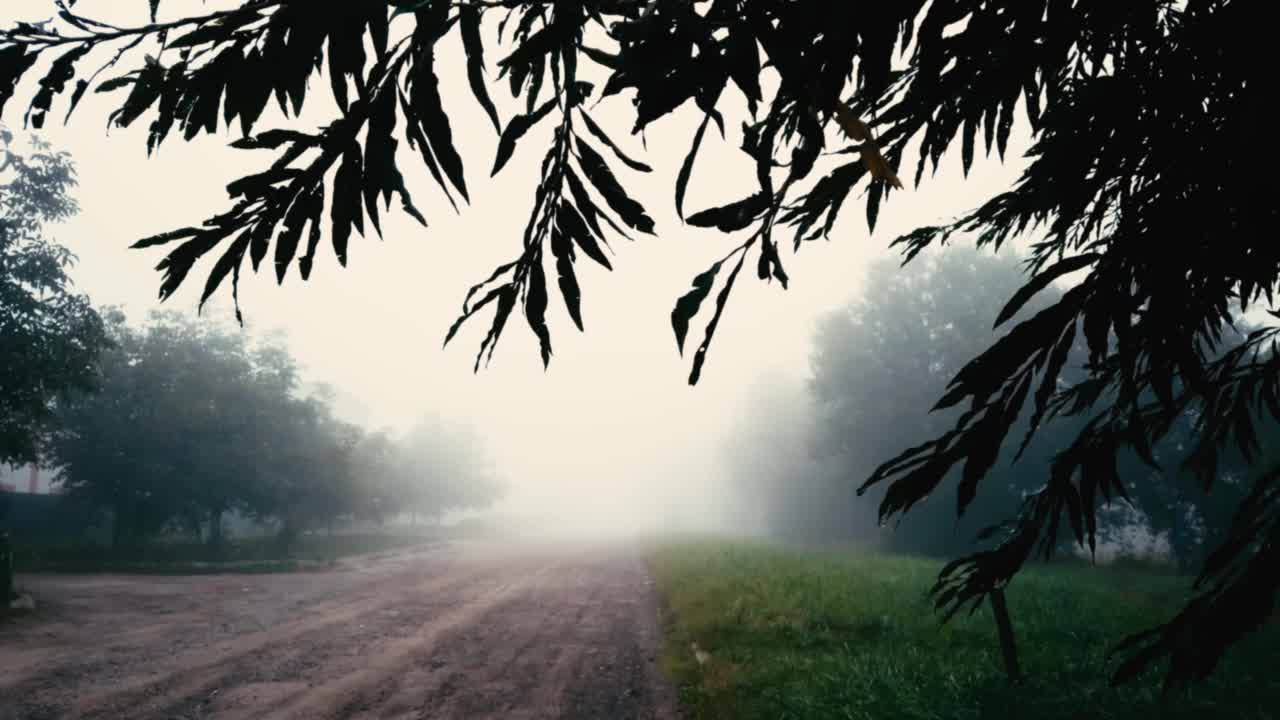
119, 528
1004, 627
216, 537
287, 534
6, 572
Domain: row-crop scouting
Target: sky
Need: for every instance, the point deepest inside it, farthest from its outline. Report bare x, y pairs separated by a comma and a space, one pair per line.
610, 436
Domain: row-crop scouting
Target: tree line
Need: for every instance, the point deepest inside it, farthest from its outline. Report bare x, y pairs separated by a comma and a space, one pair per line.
192, 421
174, 423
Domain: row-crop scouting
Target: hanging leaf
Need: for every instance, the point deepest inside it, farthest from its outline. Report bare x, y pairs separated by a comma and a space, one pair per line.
686, 168
469, 24
516, 129
687, 306
631, 212
346, 210
874, 194
229, 260
535, 307
700, 357
602, 137
1041, 281
570, 223
734, 216
562, 249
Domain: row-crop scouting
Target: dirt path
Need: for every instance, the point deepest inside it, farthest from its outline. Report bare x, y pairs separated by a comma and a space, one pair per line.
460, 631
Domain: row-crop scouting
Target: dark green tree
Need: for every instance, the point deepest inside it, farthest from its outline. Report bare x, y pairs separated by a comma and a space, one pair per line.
879, 361
103, 451
50, 335
191, 422
1148, 135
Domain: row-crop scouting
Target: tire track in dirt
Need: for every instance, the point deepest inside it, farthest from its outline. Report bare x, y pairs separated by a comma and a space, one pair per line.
472, 632
329, 636
375, 684
112, 671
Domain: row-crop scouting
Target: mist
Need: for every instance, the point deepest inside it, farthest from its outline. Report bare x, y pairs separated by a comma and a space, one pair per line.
609, 439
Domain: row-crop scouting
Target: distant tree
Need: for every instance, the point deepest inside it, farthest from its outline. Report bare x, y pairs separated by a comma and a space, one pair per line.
875, 364
311, 472
1149, 132
191, 423
377, 469
785, 489
50, 336
445, 468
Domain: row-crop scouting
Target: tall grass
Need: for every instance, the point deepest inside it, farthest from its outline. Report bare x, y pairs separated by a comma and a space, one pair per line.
795, 634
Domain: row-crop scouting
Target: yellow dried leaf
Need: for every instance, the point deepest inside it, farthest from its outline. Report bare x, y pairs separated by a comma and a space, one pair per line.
872, 160
875, 164
851, 124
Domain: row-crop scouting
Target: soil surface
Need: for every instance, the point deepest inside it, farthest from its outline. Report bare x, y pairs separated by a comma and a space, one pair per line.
468, 630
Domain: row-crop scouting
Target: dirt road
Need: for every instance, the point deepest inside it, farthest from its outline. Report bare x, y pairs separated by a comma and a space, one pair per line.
453, 631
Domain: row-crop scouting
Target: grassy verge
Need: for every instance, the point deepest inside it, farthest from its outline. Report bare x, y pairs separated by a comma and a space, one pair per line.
240, 555
795, 634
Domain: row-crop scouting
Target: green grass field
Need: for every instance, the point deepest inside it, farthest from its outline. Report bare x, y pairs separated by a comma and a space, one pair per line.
797, 634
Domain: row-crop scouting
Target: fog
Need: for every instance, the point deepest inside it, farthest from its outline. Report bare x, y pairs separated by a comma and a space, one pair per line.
610, 438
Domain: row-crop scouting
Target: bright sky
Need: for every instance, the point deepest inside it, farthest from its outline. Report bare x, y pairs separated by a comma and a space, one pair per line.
611, 432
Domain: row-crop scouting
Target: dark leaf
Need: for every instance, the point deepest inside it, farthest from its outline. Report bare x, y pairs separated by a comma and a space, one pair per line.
631, 212
686, 168
1041, 281
469, 24
516, 129
229, 260
687, 306
569, 222
346, 211
700, 357
874, 194
602, 137
734, 216
562, 249
535, 307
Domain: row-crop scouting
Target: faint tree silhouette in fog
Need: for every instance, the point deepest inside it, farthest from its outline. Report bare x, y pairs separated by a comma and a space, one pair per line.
1148, 137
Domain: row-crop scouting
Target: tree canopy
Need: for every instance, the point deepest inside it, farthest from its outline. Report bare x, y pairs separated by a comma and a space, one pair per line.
50, 335
1147, 136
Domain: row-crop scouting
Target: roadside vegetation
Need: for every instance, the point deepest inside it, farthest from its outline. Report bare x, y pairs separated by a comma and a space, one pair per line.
262, 553
791, 633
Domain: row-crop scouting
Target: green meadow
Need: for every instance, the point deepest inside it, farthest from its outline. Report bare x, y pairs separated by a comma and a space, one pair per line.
790, 633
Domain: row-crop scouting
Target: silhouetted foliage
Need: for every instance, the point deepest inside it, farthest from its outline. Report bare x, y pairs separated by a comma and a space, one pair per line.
1148, 134
50, 335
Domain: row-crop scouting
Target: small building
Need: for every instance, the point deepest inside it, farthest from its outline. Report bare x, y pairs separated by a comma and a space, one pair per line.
27, 478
